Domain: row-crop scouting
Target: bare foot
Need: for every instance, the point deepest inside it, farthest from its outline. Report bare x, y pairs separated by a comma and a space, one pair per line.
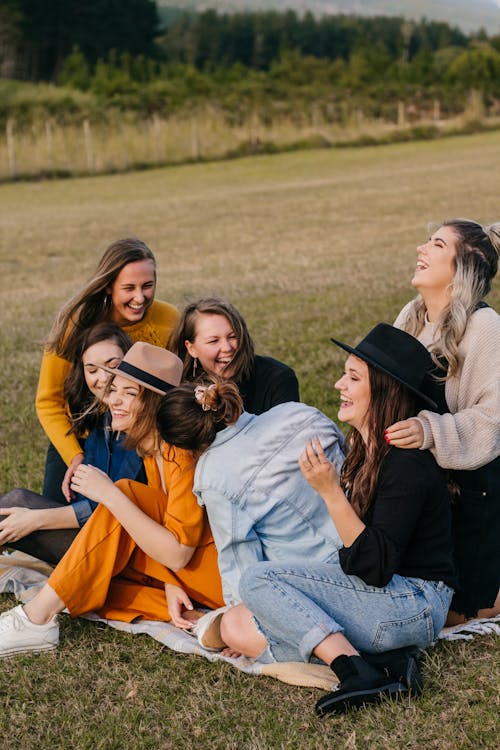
193, 615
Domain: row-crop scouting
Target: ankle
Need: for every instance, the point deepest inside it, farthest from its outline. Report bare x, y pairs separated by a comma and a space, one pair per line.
36, 618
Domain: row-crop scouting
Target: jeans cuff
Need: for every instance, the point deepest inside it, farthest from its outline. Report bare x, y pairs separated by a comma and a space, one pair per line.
314, 637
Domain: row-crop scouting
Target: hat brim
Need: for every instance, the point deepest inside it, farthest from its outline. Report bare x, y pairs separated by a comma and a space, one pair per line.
136, 375
373, 363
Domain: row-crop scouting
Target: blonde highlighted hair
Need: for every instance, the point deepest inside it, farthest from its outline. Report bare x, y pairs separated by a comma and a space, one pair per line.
476, 264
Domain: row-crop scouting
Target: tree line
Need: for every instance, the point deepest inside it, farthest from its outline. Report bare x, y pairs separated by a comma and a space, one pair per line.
116, 53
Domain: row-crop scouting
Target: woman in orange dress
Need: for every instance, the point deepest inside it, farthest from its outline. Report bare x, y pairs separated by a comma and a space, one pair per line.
144, 542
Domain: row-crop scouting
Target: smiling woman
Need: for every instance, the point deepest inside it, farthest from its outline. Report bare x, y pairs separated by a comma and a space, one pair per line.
454, 272
41, 526
212, 338
121, 291
142, 540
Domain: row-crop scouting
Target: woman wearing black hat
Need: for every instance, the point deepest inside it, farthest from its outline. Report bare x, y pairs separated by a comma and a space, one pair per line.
390, 583
454, 271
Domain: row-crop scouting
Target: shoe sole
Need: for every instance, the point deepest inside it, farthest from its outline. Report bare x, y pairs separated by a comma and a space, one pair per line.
342, 703
28, 650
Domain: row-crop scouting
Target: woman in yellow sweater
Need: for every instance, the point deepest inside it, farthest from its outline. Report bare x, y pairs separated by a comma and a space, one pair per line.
121, 291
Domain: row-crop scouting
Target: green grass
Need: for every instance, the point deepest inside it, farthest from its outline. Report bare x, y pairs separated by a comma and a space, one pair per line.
308, 245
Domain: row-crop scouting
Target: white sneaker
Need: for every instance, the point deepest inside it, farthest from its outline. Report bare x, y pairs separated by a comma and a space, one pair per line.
207, 630
19, 635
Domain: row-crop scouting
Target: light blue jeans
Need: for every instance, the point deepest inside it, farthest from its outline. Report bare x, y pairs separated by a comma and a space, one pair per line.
296, 606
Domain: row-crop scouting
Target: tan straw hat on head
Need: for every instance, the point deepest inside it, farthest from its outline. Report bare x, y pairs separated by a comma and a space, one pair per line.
151, 366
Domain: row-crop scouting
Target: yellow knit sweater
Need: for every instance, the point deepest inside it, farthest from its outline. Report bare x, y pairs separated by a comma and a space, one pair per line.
51, 407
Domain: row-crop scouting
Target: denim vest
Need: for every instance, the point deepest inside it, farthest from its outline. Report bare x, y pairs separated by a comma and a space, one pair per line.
259, 505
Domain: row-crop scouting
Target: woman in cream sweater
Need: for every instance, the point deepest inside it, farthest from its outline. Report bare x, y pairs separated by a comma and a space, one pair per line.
453, 274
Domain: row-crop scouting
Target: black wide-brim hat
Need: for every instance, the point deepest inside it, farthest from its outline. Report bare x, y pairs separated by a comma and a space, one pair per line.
397, 353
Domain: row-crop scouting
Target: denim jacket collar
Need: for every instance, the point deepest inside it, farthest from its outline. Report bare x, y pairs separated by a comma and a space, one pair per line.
232, 430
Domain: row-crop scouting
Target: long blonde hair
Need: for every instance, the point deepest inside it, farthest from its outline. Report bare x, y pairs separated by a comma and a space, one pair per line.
476, 263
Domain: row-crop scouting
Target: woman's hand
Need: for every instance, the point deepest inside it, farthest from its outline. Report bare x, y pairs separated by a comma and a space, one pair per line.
66, 485
18, 523
93, 483
178, 602
317, 469
406, 434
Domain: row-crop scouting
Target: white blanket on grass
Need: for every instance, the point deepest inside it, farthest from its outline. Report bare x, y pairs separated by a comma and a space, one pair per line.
23, 575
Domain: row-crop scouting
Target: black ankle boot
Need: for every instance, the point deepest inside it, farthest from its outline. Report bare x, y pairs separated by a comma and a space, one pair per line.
359, 683
401, 664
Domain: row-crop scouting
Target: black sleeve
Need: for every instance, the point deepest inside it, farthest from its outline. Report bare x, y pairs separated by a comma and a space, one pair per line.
401, 492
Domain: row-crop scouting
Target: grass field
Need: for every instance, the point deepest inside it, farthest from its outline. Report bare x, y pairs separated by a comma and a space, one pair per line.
308, 245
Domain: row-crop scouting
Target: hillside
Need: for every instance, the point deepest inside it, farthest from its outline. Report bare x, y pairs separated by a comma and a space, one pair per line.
468, 15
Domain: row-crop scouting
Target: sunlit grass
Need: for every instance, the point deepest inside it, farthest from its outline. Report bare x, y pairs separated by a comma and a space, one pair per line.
308, 245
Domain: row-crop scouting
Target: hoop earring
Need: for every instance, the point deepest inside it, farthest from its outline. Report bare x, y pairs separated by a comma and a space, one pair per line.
195, 366
105, 302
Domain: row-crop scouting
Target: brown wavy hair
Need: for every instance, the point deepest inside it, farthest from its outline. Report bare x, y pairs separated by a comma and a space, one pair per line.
92, 304
185, 330
85, 409
390, 402
185, 422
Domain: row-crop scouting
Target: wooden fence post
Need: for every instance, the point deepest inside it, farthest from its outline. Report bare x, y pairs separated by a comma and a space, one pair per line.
11, 152
50, 144
195, 138
401, 114
87, 136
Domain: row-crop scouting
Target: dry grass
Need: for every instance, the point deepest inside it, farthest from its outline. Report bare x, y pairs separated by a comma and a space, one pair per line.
307, 245
124, 142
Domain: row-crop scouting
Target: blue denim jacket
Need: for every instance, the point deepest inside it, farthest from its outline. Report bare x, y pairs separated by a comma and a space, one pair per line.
103, 450
259, 505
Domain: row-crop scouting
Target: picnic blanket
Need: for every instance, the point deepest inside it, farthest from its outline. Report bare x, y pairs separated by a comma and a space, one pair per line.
23, 575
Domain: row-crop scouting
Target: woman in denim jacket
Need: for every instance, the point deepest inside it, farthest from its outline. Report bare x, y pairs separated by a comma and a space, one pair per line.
259, 505
388, 585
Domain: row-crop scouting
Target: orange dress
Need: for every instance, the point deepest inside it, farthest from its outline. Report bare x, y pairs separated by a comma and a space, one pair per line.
104, 570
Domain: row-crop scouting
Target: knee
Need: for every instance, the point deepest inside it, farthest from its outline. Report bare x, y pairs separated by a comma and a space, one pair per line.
252, 582
13, 499
240, 633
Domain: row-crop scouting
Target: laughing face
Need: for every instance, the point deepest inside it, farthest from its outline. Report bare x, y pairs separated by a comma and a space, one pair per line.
106, 353
123, 402
435, 269
354, 387
132, 292
214, 344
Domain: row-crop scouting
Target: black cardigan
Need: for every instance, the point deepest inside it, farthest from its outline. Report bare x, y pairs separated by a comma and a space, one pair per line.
271, 383
408, 525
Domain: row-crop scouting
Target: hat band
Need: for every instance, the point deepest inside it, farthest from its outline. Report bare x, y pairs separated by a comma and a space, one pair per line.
146, 377
396, 368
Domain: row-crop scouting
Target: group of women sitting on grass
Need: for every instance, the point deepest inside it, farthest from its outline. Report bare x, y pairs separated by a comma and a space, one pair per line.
354, 553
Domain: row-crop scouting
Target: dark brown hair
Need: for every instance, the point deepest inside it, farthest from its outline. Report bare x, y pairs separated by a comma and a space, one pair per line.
191, 415
390, 402
92, 304
243, 360
84, 407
